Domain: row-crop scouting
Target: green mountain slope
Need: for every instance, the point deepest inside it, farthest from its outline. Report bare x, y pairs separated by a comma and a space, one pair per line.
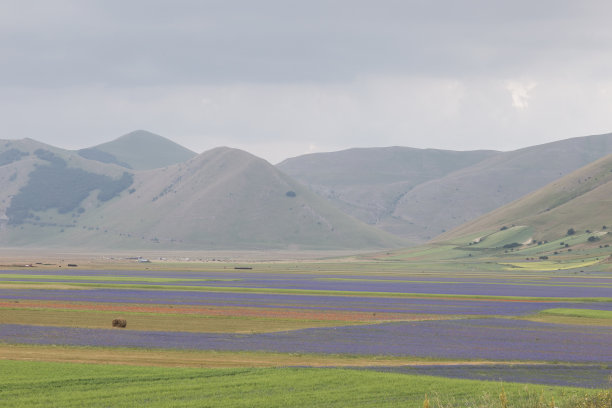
580, 201
139, 150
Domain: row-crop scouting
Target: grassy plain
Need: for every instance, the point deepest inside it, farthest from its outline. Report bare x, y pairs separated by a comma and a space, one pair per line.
42, 384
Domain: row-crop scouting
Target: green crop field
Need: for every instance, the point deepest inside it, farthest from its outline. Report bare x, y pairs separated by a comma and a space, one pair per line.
40, 384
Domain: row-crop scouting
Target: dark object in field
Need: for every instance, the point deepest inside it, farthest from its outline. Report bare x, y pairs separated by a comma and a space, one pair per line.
242, 267
73, 265
119, 323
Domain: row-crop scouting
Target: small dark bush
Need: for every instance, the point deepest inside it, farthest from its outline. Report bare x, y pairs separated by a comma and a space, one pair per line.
512, 245
543, 257
290, 193
593, 238
503, 228
571, 231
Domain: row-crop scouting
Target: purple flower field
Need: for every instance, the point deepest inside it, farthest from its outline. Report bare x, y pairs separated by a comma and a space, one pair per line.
494, 339
341, 303
550, 287
495, 336
585, 376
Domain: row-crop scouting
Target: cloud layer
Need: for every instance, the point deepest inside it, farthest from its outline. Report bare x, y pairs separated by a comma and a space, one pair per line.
283, 78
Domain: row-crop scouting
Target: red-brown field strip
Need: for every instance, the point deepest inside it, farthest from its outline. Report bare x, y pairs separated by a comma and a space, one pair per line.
230, 311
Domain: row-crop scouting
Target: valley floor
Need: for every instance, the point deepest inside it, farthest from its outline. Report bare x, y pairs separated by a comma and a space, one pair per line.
371, 330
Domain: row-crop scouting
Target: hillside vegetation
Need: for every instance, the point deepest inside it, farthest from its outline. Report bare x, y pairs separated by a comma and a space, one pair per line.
56, 186
578, 202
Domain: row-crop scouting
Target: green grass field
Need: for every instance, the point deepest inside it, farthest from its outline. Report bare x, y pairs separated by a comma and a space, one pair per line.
584, 313
585, 317
41, 384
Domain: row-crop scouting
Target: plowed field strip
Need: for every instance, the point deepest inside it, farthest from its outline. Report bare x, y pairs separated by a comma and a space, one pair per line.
288, 313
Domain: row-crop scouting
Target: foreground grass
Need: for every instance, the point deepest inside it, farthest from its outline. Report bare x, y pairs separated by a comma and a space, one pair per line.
41, 384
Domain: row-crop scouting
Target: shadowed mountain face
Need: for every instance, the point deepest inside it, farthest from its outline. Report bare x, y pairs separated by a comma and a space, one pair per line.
139, 150
580, 201
445, 189
221, 199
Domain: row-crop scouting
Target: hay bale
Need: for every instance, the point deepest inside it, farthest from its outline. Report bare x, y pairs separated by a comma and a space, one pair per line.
119, 323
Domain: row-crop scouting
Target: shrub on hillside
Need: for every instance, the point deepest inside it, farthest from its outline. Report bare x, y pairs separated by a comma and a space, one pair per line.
512, 245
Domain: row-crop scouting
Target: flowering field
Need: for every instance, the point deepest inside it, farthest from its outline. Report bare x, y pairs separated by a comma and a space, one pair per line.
314, 310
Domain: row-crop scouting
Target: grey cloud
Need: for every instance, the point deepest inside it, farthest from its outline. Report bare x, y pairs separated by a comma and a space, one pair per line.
284, 77
137, 43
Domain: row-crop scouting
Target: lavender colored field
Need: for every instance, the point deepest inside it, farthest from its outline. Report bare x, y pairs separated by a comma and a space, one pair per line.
494, 339
548, 286
585, 376
341, 303
489, 338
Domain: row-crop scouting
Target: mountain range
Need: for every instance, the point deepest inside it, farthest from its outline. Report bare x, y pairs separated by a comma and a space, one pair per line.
420, 194
142, 190
223, 198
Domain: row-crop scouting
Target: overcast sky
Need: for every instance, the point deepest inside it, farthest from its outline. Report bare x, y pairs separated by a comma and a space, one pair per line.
284, 78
